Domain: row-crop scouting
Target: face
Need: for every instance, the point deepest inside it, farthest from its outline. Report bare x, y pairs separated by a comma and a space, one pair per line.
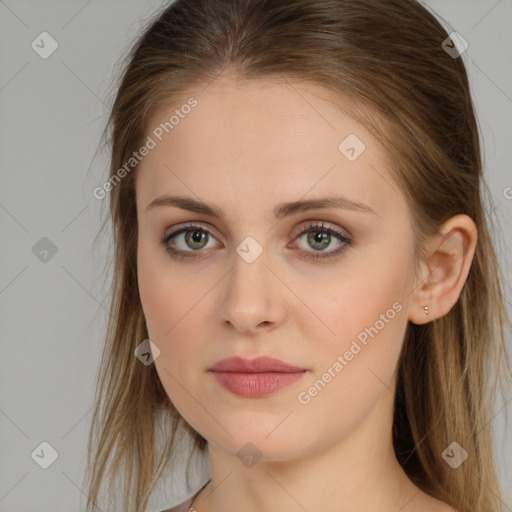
325, 289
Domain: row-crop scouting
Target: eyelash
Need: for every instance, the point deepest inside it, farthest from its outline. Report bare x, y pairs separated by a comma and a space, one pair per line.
311, 228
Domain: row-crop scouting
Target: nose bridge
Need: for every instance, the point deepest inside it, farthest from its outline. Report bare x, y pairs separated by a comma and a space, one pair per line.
248, 280
250, 295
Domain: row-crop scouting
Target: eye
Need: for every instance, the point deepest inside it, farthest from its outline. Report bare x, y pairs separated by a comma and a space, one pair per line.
196, 238
319, 237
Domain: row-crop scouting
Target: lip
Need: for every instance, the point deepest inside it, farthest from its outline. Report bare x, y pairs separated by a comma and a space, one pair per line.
252, 378
257, 365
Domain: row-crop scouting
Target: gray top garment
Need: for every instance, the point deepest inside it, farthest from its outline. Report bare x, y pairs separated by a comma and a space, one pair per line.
184, 507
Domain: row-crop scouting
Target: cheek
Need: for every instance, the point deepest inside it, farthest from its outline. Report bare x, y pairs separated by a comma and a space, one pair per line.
157, 299
173, 300
166, 292
169, 305
362, 314
354, 367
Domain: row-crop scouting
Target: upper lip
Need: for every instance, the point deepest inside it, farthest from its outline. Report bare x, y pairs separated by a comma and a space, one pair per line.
258, 364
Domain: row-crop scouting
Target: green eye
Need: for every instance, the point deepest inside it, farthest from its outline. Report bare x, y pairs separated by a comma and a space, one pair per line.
196, 238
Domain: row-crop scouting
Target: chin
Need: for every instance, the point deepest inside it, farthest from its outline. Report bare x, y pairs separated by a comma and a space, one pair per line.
257, 445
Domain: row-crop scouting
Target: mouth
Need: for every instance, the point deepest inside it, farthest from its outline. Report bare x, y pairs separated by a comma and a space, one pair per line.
257, 365
254, 384
258, 377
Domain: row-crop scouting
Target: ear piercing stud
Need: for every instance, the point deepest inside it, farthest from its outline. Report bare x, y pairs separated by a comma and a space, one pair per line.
426, 310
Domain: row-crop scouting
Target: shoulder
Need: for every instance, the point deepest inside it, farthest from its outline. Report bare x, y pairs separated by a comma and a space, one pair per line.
185, 506
439, 506
449, 509
182, 507
427, 503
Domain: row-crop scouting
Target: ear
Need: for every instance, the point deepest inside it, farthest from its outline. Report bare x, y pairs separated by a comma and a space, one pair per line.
444, 274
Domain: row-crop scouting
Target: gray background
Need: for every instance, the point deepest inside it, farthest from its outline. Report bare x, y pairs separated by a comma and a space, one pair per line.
53, 313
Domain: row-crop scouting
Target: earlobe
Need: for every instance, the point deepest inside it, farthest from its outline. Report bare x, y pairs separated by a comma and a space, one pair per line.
446, 270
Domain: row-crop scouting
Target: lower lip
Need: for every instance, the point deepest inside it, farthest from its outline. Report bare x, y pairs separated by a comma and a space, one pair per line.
257, 384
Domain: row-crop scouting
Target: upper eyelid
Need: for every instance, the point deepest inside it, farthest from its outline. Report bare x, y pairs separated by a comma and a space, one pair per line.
181, 228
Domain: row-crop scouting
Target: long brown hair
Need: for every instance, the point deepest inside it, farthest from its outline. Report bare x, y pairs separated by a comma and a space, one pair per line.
386, 58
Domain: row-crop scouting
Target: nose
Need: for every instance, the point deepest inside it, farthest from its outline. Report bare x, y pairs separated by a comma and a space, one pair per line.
253, 298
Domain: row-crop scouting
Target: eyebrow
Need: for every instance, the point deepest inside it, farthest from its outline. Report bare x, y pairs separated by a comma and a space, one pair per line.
280, 211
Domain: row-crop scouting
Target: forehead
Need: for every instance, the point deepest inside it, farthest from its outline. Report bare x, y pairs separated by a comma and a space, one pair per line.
266, 140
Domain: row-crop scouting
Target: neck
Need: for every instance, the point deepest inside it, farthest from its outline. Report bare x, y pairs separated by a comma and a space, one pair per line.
359, 472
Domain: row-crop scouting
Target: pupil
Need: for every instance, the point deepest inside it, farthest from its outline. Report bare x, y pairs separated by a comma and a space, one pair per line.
321, 238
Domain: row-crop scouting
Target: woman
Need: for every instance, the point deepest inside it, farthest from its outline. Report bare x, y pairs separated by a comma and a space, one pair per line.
301, 260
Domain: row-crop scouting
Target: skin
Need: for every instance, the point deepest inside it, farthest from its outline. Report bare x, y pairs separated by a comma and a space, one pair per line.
246, 148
